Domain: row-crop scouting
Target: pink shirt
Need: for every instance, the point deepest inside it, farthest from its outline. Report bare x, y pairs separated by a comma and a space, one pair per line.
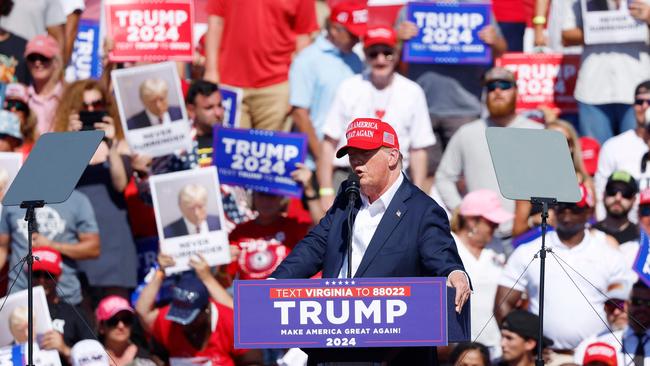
44, 107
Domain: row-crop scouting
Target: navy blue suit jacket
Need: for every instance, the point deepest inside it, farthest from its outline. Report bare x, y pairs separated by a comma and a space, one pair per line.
413, 239
178, 228
141, 119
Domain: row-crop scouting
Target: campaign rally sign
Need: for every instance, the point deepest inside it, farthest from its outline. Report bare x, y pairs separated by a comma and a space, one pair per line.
85, 62
150, 129
260, 160
190, 218
448, 33
231, 98
611, 22
642, 262
341, 313
145, 30
544, 79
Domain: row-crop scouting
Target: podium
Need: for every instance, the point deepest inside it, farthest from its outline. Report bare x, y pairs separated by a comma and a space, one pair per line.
364, 319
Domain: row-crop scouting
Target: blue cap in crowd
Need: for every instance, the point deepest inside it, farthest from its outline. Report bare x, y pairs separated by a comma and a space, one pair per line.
189, 297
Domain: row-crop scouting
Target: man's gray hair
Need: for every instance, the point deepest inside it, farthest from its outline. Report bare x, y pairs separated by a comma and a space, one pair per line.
193, 193
153, 86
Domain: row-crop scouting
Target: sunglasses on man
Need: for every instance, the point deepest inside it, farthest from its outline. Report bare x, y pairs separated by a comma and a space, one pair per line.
499, 84
613, 191
613, 304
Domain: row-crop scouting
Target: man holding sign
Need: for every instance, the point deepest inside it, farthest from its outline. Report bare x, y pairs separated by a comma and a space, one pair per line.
399, 232
615, 59
453, 89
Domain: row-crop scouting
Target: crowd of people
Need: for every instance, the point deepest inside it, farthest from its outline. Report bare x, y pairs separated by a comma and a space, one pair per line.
313, 67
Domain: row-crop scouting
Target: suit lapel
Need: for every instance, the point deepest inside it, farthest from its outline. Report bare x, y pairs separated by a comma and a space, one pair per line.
393, 215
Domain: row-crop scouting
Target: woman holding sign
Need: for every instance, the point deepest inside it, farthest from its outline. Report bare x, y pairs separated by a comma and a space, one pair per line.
87, 106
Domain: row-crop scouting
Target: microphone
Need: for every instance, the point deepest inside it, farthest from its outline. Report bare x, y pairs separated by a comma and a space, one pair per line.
352, 189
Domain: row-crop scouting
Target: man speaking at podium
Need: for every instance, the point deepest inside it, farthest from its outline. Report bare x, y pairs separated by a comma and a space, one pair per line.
399, 231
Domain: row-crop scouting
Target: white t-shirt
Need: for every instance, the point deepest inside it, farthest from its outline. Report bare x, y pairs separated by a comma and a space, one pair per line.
484, 273
608, 72
568, 318
70, 6
403, 105
622, 152
29, 18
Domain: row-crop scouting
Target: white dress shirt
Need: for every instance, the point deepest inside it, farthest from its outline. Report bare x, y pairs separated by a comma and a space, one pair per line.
155, 120
366, 223
192, 229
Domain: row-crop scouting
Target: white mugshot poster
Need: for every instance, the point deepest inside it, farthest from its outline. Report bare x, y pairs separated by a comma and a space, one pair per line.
152, 109
609, 21
189, 217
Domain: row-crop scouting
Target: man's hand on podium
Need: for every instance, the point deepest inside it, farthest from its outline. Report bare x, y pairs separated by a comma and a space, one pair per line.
458, 280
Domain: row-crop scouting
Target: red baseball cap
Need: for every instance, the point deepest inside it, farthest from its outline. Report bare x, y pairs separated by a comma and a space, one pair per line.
600, 352
111, 305
352, 15
586, 198
49, 260
368, 134
590, 149
43, 44
380, 35
644, 197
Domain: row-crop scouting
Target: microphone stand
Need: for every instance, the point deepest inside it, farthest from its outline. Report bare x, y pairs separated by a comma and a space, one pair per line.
352, 190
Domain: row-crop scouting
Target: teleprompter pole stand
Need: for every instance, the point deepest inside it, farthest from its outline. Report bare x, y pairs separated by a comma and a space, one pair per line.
545, 202
30, 217
58, 158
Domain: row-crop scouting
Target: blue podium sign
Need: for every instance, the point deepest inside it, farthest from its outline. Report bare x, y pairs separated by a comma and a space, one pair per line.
260, 160
341, 313
448, 33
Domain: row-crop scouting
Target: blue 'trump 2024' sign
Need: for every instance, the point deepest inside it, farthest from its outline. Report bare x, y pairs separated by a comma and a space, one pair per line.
341, 313
260, 160
448, 33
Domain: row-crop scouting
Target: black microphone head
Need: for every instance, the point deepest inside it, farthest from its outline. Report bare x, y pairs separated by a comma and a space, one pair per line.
353, 183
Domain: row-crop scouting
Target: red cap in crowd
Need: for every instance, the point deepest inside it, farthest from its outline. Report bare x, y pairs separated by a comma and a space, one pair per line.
49, 260
380, 35
111, 305
586, 198
600, 352
43, 44
352, 15
368, 134
590, 149
644, 197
